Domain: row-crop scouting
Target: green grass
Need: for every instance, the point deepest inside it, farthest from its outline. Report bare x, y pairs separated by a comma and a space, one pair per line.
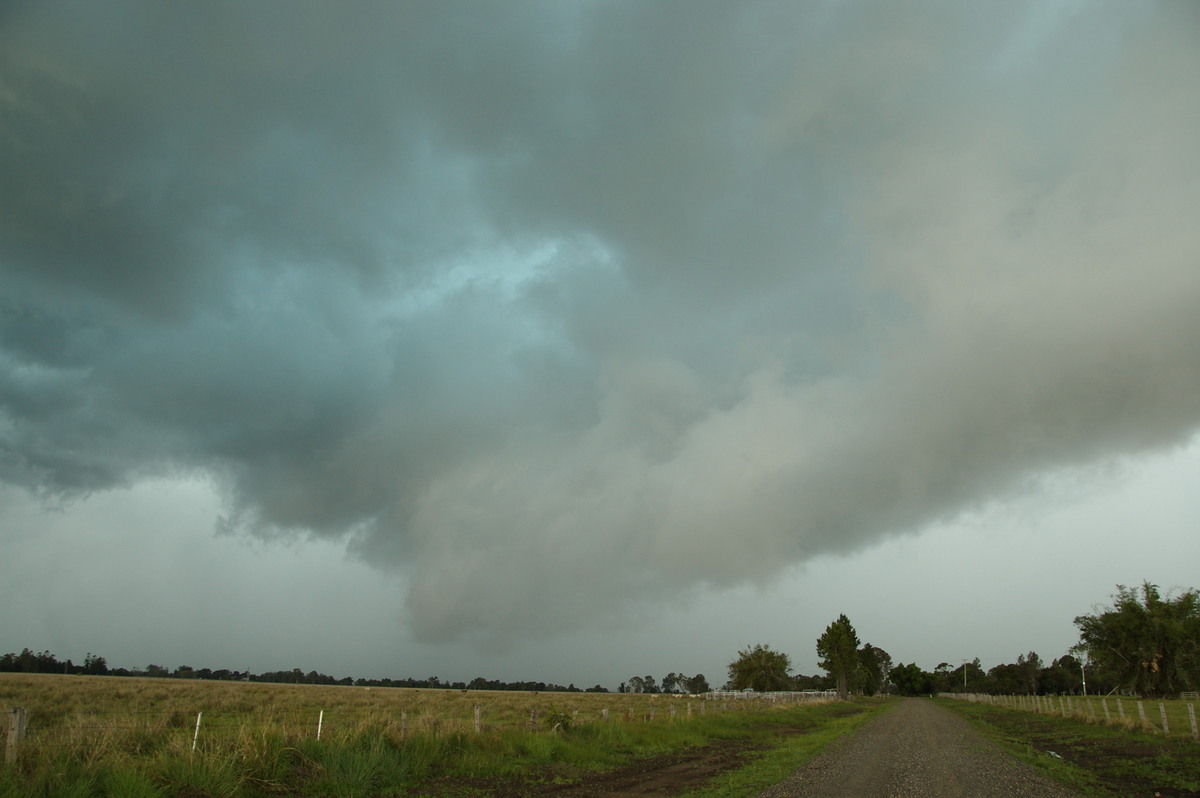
1092, 758
822, 727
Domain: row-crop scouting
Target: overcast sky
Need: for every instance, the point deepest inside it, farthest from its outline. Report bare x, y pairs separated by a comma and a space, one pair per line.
570, 341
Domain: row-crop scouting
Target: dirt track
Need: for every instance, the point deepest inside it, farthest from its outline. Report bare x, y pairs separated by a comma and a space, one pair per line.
918, 749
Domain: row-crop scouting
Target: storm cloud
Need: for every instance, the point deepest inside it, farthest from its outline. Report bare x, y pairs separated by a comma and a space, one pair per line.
553, 307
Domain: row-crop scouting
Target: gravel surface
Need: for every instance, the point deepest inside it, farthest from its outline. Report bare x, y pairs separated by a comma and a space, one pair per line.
918, 750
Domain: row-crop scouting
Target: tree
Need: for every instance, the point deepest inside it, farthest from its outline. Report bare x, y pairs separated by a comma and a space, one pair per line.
696, 684
1144, 642
759, 668
911, 680
1063, 677
1030, 667
838, 650
873, 665
95, 665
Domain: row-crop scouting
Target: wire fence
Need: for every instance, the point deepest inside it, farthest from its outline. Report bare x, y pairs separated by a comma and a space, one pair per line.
1175, 718
144, 730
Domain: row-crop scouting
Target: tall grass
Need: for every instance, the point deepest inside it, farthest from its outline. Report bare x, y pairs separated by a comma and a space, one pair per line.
109, 736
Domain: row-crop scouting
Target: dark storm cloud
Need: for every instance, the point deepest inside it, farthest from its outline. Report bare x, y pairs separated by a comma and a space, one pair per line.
548, 306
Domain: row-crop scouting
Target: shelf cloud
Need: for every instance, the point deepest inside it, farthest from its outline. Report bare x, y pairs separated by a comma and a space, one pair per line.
548, 308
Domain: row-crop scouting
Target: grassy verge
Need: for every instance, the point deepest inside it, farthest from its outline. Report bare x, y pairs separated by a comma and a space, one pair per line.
1091, 758
796, 745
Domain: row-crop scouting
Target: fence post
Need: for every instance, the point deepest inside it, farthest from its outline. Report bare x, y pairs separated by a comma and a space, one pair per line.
1192, 718
1107, 717
404, 724
320, 723
1120, 711
16, 733
1142, 715
533, 719
478, 724
196, 736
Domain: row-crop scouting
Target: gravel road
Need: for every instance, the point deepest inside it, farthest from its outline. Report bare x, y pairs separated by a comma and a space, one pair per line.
918, 750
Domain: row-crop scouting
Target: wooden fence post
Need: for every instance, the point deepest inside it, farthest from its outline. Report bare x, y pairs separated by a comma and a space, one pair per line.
16, 733
1162, 713
1192, 718
1120, 711
1142, 715
1107, 717
478, 720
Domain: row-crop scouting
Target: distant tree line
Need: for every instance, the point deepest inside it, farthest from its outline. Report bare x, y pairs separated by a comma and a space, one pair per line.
1144, 644
671, 683
45, 662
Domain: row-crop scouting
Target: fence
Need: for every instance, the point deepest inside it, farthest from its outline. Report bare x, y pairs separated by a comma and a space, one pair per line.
782, 695
190, 731
1085, 708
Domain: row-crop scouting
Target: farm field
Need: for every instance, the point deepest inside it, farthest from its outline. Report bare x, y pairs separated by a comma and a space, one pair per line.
102, 736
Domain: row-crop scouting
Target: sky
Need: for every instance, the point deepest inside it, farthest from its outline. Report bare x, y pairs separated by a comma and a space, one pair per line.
570, 341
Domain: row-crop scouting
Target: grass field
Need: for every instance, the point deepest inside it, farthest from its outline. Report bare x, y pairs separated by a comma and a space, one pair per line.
109, 736
1122, 712
1096, 759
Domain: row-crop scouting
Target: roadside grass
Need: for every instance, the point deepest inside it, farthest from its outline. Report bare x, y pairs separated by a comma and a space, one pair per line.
91, 737
792, 747
1091, 758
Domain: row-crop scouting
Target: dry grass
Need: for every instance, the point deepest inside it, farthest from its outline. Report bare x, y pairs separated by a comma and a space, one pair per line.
98, 736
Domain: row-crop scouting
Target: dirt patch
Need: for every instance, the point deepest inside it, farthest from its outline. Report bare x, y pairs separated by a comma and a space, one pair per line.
670, 774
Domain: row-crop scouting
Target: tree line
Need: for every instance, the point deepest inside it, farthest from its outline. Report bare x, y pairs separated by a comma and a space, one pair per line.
671, 683
93, 665
1144, 643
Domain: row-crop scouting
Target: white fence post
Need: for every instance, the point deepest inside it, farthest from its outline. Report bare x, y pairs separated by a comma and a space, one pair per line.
1142, 715
478, 719
320, 723
1162, 713
1192, 718
196, 735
